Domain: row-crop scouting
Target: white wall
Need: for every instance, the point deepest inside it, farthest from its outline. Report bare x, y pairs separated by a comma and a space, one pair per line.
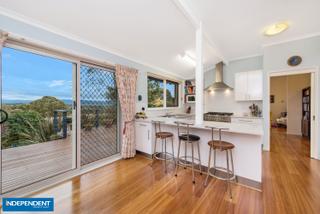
294, 95
275, 59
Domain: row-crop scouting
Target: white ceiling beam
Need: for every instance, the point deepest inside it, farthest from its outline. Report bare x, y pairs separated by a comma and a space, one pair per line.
189, 14
199, 76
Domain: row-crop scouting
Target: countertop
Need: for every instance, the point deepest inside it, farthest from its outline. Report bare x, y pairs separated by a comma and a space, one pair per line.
232, 127
247, 117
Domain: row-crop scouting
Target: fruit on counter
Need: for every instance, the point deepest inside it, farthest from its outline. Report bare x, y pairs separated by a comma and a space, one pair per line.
141, 115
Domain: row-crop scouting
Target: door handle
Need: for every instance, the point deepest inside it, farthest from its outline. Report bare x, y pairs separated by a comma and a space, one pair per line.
74, 105
5, 116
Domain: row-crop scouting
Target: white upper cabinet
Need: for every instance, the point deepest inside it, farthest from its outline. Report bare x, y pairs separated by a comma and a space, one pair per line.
248, 85
241, 86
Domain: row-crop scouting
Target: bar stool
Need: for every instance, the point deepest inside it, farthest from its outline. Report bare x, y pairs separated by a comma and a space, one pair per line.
222, 146
163, 136
188, 139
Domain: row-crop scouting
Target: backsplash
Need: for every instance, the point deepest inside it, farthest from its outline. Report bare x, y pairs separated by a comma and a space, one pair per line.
223, 101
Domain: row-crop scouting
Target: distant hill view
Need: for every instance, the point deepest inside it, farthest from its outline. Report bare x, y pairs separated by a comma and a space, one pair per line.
16, 102
66, 101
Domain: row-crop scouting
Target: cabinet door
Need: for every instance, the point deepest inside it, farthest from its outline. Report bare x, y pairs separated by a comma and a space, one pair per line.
143, 137
254, 85
240, 86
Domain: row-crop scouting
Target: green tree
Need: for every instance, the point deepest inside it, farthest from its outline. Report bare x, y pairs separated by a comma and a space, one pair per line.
171, 101
46, 106
155, 93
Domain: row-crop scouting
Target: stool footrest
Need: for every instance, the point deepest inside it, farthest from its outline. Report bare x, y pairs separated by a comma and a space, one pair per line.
224, 175
187, 161
161, 156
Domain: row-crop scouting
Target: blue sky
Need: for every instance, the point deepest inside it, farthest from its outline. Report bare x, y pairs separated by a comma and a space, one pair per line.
28, 76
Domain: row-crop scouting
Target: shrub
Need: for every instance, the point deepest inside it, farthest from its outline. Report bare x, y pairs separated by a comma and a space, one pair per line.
26, 127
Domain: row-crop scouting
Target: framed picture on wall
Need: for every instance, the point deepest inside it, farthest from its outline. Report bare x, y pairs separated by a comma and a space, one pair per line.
271, 98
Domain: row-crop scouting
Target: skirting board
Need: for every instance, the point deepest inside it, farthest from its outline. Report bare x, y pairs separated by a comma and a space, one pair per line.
240, 180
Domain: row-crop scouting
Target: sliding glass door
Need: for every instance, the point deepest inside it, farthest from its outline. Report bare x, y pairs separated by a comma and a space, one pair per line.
38, 138
99, 114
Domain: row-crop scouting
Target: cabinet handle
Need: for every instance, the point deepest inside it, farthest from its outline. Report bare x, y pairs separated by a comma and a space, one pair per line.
142, 125
148, 134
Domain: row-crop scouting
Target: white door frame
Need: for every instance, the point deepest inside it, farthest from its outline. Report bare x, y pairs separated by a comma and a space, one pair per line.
314, 144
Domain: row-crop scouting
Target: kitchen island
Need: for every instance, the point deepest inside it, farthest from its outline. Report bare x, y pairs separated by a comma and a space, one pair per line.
247, 139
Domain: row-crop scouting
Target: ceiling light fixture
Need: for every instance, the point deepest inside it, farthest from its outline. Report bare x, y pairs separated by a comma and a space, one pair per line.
276, 28
189, 58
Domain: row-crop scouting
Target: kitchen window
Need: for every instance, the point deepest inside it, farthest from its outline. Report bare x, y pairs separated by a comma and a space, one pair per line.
172, 93
162, 93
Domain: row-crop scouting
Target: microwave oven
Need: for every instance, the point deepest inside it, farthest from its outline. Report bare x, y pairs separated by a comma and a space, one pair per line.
191, 98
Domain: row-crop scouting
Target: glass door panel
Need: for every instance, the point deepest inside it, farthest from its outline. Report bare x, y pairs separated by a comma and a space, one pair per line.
38, 139
99, 113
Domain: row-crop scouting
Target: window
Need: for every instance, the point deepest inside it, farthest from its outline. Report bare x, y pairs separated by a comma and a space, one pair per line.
155, 93
162, 93
172, 89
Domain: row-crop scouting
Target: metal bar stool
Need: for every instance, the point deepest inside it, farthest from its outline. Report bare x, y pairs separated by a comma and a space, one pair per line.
222, 146
163, 155
188, 139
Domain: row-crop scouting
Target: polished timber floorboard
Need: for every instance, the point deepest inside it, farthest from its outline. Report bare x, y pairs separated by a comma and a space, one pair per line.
291, 184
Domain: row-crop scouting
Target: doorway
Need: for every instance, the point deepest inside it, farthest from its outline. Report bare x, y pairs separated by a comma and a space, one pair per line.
292, 111
58, 115
99, 114
38, 137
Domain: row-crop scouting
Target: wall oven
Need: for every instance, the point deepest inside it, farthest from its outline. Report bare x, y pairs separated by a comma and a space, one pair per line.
191, 98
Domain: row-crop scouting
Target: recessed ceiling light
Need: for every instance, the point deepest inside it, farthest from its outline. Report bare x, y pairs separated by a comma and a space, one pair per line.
276, 28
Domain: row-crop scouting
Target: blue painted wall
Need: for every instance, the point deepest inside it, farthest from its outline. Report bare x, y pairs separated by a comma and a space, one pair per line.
275, 59
248, 64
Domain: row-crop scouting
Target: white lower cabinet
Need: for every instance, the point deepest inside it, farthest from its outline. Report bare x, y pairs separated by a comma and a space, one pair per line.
144, 137
247, 120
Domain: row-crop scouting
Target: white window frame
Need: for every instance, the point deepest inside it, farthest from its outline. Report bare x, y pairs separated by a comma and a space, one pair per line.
164, 79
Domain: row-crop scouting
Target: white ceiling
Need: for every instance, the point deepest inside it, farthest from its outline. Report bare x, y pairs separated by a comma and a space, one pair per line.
151, 32
154, 32
236, 26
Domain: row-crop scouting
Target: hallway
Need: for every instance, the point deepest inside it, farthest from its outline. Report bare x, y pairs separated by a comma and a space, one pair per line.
290, 176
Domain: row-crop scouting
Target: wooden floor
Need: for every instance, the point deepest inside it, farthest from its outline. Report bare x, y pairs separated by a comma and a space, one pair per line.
291, 184
291, 180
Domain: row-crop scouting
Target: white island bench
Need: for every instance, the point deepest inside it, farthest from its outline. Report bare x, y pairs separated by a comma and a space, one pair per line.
247, 138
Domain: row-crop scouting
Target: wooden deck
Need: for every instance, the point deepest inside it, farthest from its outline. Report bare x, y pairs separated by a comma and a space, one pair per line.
27, 164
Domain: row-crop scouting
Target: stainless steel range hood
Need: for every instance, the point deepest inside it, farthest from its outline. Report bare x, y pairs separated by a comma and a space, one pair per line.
218, 84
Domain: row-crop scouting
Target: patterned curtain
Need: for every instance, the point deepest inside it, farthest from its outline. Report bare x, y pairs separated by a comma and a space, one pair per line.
126, 83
